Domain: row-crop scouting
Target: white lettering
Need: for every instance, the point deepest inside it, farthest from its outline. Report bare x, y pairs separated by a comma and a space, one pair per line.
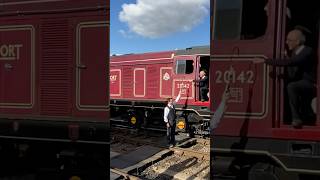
113, 77
18, 46
234, 77
3, 51
10, 51
183, 85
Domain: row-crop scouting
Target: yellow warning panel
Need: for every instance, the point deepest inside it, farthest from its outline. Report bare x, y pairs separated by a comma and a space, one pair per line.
181, 125
133, 120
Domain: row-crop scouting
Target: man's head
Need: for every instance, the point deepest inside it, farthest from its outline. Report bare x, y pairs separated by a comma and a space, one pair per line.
295, 38
169, 101
202, 73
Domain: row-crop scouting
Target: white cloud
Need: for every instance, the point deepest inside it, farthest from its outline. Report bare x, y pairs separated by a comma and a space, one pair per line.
158, 18
125, 34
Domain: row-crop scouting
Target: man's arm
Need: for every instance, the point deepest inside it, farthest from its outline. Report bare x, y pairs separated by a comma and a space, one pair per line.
294, 61
165, 114
205, 78
201, 79
177, 98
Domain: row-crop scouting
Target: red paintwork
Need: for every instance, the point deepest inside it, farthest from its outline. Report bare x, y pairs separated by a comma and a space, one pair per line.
151, 76
239, 55
62, 64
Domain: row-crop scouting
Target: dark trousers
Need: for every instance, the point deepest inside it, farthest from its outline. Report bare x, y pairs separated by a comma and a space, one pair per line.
299, 91
203, 93
171, 131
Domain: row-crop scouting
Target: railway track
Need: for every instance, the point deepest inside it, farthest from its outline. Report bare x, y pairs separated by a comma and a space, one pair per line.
134, 136
191, 153
123, 175
189, 159
124, 124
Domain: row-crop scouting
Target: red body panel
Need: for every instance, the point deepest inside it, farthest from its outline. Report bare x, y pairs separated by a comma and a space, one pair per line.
256, 107
17, 66
54, 60
138, 76
151, 77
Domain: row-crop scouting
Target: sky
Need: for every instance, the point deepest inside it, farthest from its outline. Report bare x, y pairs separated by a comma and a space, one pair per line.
138, 26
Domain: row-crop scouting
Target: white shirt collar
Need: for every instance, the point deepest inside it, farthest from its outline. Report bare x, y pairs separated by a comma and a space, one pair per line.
299, 49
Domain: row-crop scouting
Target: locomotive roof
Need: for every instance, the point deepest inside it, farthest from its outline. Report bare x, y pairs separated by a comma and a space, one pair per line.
194, 50
163, 54
142, 56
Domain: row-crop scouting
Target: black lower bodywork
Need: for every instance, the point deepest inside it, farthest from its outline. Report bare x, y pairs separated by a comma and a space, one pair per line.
150, 114
47, 149
251, 157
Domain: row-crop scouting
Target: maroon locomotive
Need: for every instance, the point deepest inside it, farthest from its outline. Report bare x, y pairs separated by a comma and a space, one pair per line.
52, 74
140, 83
255, 139
53, 66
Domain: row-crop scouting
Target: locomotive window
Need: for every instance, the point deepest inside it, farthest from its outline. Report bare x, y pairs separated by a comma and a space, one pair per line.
239, 19
184, 66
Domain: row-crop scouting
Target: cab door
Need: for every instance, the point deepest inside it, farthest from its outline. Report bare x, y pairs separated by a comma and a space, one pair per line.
92, 67
183, 76
203, 64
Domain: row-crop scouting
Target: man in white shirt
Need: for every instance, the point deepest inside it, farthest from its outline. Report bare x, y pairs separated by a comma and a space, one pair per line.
169, 118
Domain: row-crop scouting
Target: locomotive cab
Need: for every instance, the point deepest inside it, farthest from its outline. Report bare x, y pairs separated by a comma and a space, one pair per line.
304, 17
188, 64
256, 134
203, 64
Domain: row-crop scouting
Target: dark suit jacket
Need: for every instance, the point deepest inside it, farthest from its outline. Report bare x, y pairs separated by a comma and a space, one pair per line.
203, 82
172, 116
304, 60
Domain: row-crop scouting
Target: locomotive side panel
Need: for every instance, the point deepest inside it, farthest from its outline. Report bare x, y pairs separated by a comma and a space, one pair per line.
91, 68
44, 61
158, 86
139, 82
17, 62
165, 82
115, 82
135, 77
127, 81
54, 63
152, 81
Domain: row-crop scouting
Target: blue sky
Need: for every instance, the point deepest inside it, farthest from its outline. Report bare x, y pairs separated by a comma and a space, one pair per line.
158, 25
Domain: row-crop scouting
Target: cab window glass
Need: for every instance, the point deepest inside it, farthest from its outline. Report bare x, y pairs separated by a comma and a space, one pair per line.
240, 19
184, 66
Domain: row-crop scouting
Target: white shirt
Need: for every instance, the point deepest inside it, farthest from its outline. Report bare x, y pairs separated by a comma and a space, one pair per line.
299, 49
166, 109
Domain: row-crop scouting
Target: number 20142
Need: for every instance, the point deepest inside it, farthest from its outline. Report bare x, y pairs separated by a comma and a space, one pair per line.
233, 77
